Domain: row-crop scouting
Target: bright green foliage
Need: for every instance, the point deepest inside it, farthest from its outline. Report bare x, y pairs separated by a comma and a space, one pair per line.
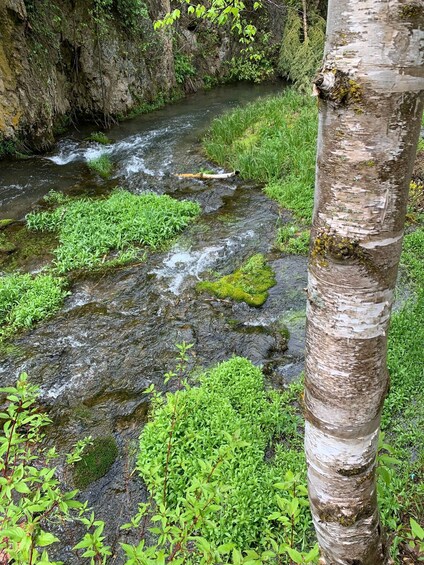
24, 300
218, 12
221, 450
272, 140
249, 284
292, 240
256, 62
31, 499
102, 165
300, 59
99, 137
95, 462
183, 67
89, 230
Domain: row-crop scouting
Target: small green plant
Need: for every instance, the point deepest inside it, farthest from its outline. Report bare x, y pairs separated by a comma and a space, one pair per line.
25, 300
102, 165
249, 284
99, 137
55, 197
183, 67
105, 232
31, 498
293, 240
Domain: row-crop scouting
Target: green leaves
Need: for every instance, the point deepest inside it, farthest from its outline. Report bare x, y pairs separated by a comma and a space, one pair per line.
31, 499
91, 230
24, 300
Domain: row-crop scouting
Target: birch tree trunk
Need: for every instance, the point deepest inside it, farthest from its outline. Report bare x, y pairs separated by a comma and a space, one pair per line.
370, 93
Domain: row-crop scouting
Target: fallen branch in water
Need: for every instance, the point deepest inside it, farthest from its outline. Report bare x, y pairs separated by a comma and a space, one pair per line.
207, 175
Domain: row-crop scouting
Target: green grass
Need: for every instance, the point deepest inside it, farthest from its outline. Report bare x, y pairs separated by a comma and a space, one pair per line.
89, 231
102, 165
230, 400
248, 284
25, 300
273, 141
293, 240
96, 461
403, 415
99, 137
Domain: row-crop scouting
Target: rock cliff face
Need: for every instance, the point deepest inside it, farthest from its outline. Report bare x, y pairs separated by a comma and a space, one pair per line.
63, 60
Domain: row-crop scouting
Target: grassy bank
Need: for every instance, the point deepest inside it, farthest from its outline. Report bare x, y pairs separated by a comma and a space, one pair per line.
273, 141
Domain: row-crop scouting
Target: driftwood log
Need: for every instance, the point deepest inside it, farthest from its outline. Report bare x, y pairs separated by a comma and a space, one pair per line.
207, 175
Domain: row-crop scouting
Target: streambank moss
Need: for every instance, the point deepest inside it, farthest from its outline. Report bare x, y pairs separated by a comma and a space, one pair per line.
102, 232
248, 284
96, 461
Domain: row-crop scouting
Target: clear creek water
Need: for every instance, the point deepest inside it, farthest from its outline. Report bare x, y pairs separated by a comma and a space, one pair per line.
117, 332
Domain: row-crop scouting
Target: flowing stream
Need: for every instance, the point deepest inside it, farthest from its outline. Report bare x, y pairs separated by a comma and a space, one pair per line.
116, 333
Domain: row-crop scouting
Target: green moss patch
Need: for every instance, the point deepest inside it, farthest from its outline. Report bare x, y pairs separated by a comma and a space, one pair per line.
96, 461
24, 300
249, 284
103, 231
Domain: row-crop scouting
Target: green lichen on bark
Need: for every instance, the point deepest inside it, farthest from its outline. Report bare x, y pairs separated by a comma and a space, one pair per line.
342, 90
327, 245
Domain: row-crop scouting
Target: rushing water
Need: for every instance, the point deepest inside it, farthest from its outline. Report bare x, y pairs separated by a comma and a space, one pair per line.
116, 333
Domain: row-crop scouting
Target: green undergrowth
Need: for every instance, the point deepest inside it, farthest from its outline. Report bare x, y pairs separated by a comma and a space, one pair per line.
293, 240
248, 284
237, 440
272, 141
100, 232
27, 299
96, 460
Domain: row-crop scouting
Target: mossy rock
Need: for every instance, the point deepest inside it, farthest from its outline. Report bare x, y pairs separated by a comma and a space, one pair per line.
96, 461
7, 247
5, 223
249, 284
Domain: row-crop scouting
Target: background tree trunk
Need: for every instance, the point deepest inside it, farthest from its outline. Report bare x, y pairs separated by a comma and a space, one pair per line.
370, 93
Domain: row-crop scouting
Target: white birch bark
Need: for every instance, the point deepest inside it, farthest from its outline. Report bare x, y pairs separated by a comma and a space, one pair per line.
370, 92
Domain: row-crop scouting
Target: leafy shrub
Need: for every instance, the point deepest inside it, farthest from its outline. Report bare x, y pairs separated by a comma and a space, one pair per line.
25, 300
90, 229
223, 429
31, 498
183, 67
